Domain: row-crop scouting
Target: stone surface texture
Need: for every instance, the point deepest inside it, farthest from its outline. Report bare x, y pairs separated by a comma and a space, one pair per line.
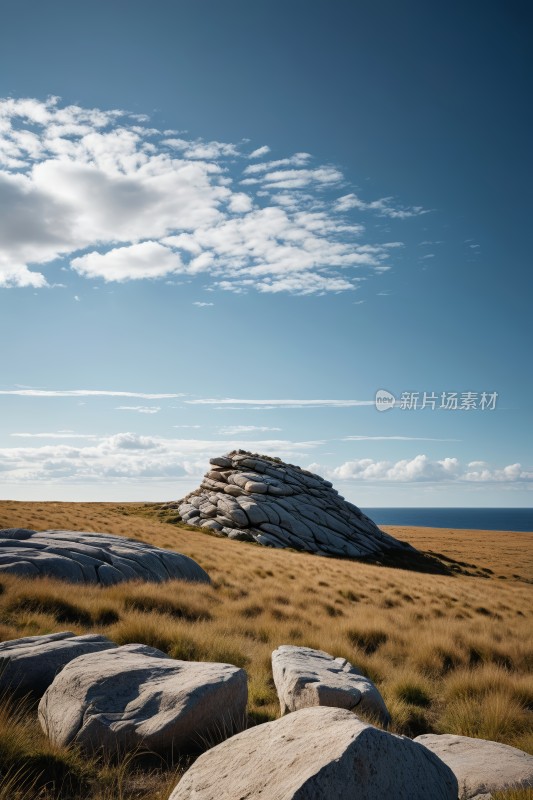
137, 697
261, 499
317, 754
29, 665
83, 557
306, 677
481, 766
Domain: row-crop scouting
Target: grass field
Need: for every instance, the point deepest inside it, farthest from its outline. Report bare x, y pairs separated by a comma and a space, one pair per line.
449, 652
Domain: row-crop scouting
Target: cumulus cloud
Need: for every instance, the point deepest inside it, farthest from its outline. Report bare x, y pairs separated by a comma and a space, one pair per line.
423, 469
119, 200
128, 457
136, 261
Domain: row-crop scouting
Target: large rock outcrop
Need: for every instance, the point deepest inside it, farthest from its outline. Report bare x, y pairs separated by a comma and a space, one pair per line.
29, 665
83, 557
317, 753
261, 499
306, 677
137, 697
481, 766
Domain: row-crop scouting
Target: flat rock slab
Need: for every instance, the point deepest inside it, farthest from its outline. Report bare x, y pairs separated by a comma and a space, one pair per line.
481, 766
29, 665
317, 754
98, 558
306, 677
136, 696
261, 499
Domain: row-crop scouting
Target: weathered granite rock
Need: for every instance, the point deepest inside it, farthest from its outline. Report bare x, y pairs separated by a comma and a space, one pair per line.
481, 766
136, 696
306, 677
325, 753
83, 557
261, 499
29, 665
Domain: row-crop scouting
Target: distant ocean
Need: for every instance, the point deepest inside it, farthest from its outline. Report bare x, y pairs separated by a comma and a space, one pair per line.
485, 519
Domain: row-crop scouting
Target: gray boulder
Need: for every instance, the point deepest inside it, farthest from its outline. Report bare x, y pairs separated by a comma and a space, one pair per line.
135, 696
317, 754
481, 766
99, 558
306, 677
30, 665
261, 499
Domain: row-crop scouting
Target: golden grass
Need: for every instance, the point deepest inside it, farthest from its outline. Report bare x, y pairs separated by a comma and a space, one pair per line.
450, 653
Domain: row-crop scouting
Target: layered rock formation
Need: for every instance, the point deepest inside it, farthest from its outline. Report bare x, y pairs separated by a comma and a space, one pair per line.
83, 557
262, 499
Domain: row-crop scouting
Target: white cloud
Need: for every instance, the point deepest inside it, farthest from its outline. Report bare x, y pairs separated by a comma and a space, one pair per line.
423, 469
395, 439
134, 262
55, 435
202, 304
240, 203
297, 178
120, 201
140, 409
384, 207
261, 151
233, 430
199, 149
233, 401
87, 393
297, 160
128, 457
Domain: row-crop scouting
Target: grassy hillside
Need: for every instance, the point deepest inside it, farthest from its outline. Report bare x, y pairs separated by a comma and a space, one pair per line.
450, 653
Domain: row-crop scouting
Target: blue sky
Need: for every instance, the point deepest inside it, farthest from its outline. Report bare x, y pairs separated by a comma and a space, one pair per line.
229, 224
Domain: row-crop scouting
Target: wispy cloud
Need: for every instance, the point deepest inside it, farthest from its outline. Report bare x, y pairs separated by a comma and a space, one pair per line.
119, 201
260, 151
140, 409
384, 207
395, 439
239, 402
88, 393
56, 435
201, 304
234, 430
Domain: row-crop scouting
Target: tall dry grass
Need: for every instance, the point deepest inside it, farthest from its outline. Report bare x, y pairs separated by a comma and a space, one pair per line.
450, 653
